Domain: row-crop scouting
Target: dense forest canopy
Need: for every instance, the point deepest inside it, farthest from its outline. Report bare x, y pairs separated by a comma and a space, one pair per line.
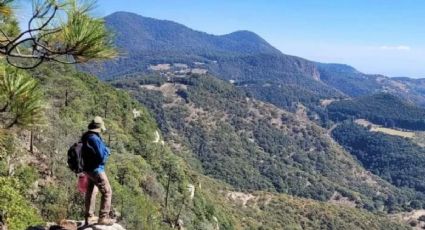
383, 109
239, 140
395, 159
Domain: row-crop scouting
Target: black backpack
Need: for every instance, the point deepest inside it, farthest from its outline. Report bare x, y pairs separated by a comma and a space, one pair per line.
82, 157
75, 158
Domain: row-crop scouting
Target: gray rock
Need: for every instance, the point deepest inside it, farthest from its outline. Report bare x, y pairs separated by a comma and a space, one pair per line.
102, 227
78, 225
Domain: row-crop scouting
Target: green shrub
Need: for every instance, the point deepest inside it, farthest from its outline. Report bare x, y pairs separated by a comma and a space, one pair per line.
19, 213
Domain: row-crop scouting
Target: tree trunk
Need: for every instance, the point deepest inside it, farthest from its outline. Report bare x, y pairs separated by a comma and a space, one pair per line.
66, 98
168, 188
9, 166
106, 109
180, 212
31, 141
3, 225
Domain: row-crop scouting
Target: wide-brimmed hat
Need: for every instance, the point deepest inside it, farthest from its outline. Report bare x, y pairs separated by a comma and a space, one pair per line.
97, 125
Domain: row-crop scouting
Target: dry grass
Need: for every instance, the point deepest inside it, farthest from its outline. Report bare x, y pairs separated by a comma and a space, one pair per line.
408, 217
389, 131
394, 132
326, 102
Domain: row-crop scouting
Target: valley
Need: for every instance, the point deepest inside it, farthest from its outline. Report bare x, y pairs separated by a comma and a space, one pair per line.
206, 131
197, 112
141, 165
262, 120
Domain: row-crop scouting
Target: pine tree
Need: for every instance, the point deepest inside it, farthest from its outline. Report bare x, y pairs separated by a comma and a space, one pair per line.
77, 39
21, 100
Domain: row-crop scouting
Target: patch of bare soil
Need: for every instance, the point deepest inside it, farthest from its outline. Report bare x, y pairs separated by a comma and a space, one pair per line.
339, 199
414, 218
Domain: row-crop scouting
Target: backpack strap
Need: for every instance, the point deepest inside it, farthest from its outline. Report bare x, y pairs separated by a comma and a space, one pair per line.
85, 137
88, 134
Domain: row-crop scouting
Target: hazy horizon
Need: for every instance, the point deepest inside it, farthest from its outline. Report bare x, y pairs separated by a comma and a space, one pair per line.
376, 37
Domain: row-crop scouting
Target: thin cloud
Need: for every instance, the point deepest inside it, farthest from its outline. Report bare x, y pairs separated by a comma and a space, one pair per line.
399, 48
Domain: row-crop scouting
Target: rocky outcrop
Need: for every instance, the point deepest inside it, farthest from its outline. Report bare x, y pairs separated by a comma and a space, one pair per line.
2, 226
77, 225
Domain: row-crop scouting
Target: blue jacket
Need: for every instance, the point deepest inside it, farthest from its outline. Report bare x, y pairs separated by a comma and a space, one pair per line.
99, 147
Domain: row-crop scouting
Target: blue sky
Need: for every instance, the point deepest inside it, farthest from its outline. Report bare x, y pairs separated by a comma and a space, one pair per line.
375, 36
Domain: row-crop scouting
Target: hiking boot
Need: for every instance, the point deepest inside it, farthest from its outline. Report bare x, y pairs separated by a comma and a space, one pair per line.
91, 220
106, 221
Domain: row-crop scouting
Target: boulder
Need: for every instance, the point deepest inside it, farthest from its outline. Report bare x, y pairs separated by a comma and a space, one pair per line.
77, 225
102, 227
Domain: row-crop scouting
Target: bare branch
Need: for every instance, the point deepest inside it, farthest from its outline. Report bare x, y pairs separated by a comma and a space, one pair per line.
30, 30
39, 62
81, 38
4, 34
65, 62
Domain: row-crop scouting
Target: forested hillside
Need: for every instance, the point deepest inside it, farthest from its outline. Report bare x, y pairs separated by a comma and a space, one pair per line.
383, 109
348, 80
253, 145
242, 57
206, 131
139, 169
395, 159
263, 210
355, 83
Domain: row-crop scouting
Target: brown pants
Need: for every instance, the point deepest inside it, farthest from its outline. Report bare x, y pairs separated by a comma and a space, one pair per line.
98, 182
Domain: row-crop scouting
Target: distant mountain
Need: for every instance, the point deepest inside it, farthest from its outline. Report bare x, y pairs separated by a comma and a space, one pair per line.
208, 95
354, 83
242, 56
348, 79
144, 41
138, 34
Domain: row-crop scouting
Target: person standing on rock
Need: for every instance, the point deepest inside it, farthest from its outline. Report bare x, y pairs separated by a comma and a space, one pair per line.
95, 155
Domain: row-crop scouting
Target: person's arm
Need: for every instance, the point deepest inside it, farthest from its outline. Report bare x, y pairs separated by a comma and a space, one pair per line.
99, 147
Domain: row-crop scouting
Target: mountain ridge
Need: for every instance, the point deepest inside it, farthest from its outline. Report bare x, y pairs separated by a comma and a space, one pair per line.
150, 25
240, 56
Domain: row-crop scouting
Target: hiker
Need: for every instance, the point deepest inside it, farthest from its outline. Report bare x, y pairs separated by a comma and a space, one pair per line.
95, 154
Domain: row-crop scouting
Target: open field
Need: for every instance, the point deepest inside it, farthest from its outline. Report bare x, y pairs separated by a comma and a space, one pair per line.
326, 102
394, 132
389, 131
